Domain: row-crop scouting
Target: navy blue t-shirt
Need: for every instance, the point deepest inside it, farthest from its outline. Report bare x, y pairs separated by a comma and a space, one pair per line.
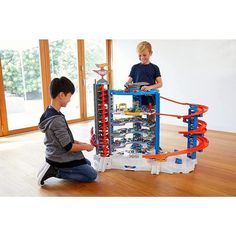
145, 73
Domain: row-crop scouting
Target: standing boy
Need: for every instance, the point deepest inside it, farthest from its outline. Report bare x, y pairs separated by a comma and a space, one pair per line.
145, 71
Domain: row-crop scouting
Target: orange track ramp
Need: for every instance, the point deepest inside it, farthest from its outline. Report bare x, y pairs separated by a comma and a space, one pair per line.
202, 143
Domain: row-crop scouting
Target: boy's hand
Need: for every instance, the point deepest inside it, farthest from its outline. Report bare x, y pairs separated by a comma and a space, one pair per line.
76, 147
126, 85
89, 147
145, 88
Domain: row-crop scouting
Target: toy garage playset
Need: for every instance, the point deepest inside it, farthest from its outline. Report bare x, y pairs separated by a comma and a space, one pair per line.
128, 138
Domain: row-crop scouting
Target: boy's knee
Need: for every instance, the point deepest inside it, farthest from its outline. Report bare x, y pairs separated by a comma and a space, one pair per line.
88, 162
93, 175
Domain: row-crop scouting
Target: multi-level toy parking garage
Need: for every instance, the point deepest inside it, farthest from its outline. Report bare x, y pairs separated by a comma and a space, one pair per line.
129, 137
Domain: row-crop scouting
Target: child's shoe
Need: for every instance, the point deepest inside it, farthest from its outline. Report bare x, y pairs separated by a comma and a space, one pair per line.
47, 172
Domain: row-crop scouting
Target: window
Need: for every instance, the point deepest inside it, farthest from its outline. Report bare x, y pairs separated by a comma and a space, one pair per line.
95, 53
22, 83
64, 62
26, 73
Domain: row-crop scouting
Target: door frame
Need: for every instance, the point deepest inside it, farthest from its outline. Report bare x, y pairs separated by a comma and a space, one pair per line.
3, 111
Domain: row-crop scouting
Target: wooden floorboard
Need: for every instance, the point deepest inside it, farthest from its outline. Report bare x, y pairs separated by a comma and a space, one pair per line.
215, 174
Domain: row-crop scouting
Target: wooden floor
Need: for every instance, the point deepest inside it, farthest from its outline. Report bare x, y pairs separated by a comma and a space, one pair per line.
215, 175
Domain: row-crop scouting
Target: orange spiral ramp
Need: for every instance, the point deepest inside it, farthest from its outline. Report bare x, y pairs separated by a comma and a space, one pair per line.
202, 143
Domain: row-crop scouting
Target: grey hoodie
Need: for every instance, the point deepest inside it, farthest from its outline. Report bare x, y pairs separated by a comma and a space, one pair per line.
58, 140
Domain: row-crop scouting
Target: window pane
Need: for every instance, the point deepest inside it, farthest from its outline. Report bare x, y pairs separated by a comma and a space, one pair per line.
95, 53
22, 83
64, 62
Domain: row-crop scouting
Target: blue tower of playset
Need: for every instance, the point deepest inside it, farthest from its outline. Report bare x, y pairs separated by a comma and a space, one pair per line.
128, 138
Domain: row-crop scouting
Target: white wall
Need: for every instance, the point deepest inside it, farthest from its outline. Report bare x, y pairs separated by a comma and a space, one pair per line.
195, 71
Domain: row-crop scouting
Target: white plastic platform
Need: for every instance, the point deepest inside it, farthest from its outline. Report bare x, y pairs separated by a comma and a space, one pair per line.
135, 162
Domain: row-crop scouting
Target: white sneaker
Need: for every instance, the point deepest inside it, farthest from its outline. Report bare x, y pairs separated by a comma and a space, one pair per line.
42, 167
47, 172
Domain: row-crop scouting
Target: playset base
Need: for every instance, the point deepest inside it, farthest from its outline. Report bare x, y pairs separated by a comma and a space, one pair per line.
139, 163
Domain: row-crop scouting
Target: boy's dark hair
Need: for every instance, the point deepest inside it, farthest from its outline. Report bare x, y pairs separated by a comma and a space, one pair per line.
62, 84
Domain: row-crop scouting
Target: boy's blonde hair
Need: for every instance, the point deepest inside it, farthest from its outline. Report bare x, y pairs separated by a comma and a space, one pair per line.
144, 45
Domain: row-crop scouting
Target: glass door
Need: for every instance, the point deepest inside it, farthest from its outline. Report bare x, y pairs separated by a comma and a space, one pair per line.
95, 53
22, 83
64, 62
27, 68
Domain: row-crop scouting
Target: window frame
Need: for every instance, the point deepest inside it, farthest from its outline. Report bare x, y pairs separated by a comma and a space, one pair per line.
46, 79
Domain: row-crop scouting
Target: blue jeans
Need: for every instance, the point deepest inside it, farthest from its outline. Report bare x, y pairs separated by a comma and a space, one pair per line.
82, 173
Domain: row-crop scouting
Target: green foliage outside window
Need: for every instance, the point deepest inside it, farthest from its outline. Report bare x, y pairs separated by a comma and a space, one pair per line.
63, 59
21, 71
